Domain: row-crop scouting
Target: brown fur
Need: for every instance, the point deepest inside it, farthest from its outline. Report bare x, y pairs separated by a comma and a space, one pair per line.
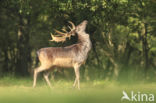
70, 56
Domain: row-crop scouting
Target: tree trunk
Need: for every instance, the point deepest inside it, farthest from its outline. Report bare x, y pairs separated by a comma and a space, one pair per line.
23, 56
6, 60
145, 48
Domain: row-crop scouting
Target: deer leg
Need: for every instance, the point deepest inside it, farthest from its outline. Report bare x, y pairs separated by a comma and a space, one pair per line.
36, 71
76, 68
74, 83
46, 74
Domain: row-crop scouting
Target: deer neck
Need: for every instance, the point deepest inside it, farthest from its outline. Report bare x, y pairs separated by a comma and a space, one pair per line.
84, 41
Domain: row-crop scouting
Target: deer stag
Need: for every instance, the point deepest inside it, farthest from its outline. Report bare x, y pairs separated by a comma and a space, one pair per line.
66, 57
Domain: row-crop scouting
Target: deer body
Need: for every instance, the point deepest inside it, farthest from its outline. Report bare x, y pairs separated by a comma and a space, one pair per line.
66, 57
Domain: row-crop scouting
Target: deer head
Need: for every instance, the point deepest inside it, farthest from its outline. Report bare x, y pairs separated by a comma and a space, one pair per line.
81, 27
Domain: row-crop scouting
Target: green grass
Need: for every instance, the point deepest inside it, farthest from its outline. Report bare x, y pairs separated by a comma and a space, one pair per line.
19, 90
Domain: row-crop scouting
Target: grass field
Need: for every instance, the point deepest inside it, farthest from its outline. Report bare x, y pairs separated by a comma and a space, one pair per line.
14, 90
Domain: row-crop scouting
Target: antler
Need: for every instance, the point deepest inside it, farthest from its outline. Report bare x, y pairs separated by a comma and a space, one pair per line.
73, 26
57, 38
61, 37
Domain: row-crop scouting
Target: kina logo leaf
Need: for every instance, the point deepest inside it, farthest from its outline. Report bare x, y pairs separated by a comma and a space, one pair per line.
125, 96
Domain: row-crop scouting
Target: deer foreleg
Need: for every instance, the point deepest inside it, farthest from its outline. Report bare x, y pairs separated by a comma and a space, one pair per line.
77, 80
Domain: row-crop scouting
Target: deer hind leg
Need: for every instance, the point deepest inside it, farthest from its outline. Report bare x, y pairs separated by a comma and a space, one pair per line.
77, 73
36, 71
46, 75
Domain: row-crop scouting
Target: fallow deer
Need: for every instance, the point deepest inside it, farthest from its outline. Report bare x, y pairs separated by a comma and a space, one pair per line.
72, 56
